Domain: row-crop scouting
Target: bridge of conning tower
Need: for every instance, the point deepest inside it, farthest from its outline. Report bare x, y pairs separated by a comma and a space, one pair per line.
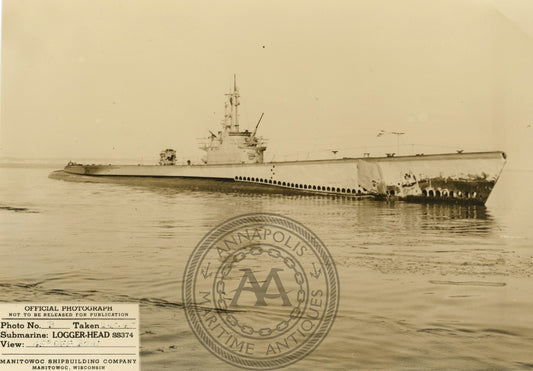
230, 145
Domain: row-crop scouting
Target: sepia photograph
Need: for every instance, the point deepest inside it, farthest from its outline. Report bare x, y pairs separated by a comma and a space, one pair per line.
224, 185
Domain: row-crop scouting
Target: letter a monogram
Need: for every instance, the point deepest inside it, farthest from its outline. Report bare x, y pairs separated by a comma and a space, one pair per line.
260, 291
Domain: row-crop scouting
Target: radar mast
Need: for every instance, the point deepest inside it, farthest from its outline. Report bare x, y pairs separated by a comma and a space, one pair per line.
234, 107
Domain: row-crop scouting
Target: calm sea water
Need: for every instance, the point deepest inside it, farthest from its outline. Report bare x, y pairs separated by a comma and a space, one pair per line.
422, 286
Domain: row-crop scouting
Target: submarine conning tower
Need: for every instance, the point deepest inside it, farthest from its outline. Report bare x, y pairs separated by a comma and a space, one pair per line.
230, 145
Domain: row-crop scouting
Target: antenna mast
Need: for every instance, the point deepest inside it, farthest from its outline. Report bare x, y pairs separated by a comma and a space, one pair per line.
235, 103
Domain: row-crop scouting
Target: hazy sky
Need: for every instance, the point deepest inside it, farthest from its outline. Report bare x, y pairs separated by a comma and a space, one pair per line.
125, 79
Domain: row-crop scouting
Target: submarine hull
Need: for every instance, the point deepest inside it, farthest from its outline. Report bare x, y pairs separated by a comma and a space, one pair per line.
444, 178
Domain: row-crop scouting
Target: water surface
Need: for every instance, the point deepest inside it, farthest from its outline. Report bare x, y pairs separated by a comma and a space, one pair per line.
422, 286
